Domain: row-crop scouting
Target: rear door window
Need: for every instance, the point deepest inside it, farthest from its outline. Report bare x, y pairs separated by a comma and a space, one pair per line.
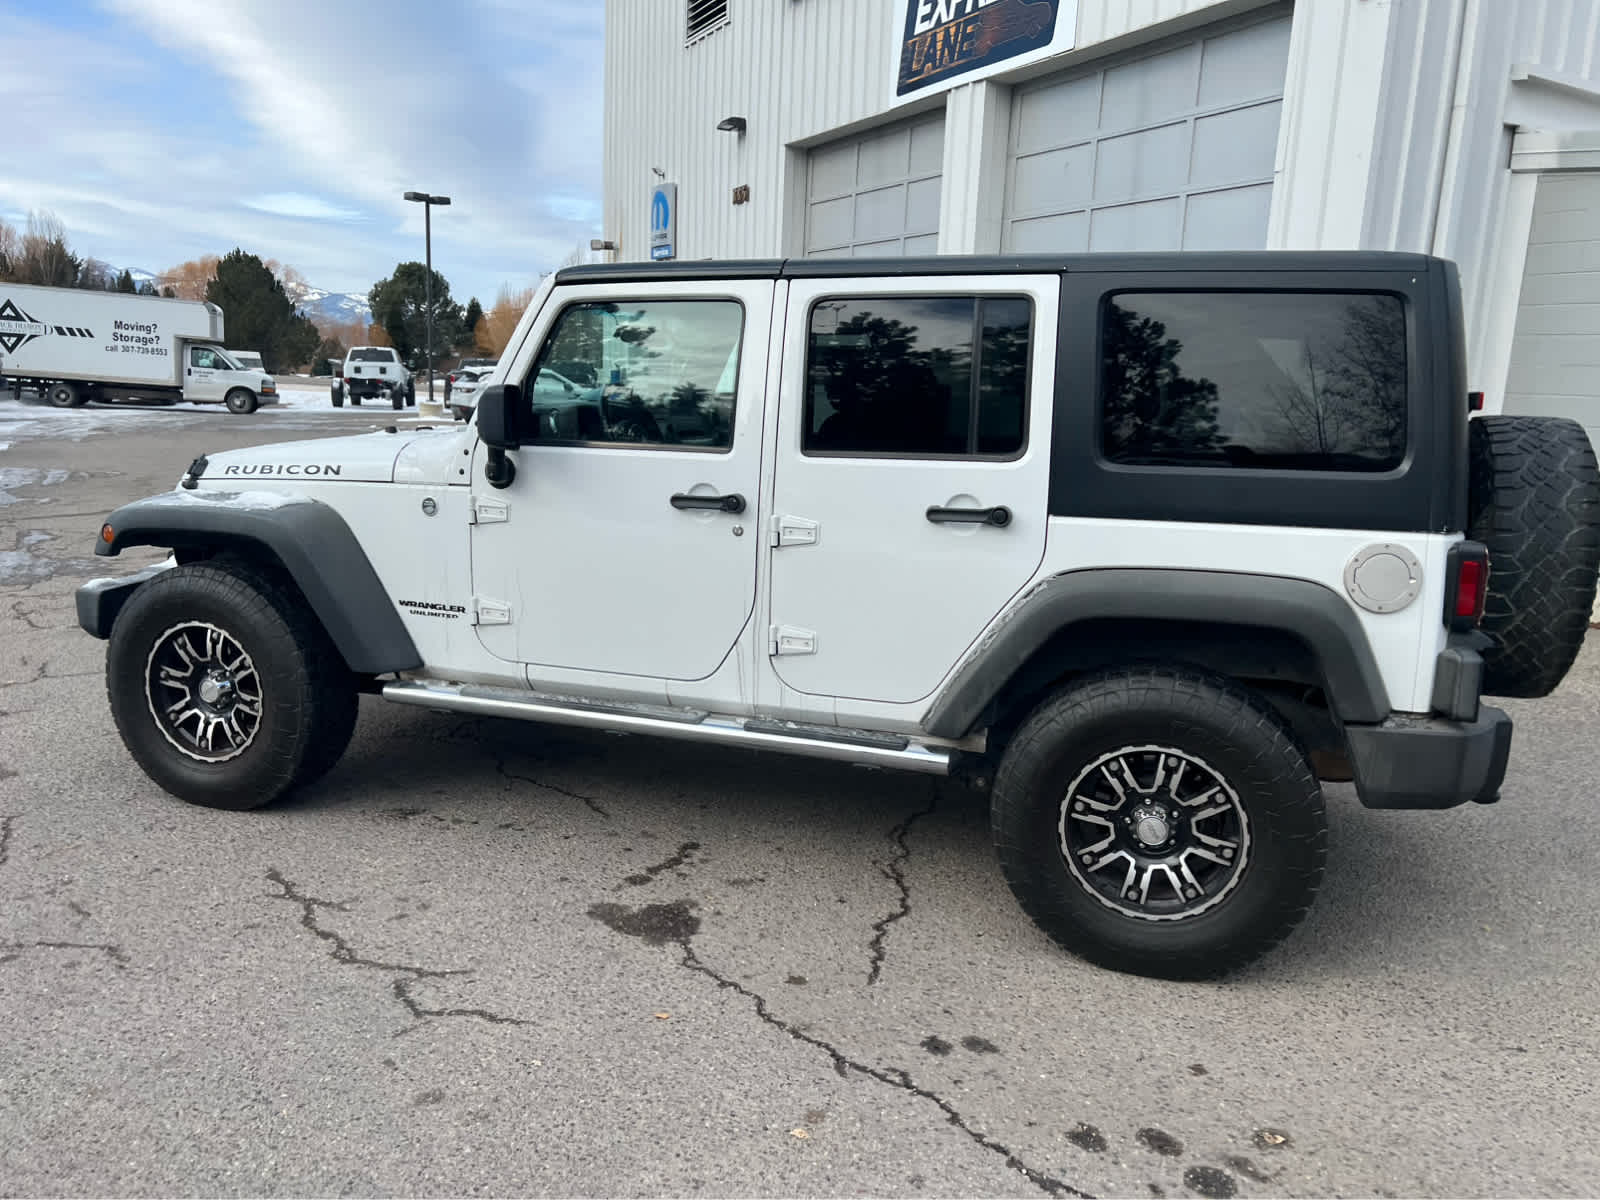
918, 376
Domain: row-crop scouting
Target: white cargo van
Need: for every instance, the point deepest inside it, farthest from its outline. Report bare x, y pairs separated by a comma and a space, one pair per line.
76, 345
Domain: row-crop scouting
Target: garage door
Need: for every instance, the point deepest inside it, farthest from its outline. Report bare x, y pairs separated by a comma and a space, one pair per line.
877, 193
1555, 357
1172, 150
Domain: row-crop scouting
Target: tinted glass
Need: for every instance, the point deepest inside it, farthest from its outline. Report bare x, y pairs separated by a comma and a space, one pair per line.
1311, 382
661, 373
372, 355
928, 376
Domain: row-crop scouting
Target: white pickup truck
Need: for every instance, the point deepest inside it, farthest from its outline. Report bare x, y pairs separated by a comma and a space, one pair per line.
373, 372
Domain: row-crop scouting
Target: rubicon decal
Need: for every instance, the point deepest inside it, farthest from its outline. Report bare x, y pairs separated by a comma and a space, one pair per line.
326, 469
17, 328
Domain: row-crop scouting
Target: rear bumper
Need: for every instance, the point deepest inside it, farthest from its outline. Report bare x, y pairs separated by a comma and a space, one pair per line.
100, 600
1429, 761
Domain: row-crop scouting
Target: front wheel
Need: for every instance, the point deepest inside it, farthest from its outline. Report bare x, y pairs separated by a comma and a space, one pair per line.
224, 689
1160, 822
241, 401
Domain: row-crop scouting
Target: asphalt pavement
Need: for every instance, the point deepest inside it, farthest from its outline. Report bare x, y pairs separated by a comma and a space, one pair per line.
490, 957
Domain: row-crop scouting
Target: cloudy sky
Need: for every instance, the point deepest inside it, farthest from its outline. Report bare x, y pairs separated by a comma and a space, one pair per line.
161, 130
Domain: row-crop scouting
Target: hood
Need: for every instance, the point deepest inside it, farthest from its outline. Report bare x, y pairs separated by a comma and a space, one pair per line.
364, 458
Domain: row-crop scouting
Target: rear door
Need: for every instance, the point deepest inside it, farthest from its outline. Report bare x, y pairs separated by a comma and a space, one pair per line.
911, 474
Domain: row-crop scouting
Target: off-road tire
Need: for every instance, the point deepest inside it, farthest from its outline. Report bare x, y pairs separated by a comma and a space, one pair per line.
411, 393
1243, 740
1535, 503
336, 393
308, 697
67, 395
240, 401
397, 398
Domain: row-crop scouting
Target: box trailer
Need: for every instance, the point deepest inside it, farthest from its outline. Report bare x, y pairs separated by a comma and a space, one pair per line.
76, 346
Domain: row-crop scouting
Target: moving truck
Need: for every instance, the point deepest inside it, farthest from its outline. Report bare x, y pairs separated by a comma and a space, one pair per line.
76, 346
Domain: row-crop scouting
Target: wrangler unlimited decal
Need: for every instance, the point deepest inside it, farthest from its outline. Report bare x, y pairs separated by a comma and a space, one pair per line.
428, 608
283, 469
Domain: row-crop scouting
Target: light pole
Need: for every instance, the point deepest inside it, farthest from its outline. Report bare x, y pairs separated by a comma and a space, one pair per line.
427, 203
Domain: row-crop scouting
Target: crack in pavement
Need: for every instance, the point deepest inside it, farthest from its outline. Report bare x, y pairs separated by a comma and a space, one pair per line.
894, 872
593, 804
27, 619
681, 858
9, 951
42, 674
8, 826
408, 975
659, 924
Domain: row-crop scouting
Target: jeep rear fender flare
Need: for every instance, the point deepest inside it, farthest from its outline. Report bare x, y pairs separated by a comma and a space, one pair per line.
1310, 612
311, 541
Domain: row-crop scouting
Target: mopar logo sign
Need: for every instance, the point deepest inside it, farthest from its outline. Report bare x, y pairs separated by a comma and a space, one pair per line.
664, 221
17, 328
946, 42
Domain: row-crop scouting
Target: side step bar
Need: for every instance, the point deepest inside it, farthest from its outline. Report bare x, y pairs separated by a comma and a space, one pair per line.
878, 750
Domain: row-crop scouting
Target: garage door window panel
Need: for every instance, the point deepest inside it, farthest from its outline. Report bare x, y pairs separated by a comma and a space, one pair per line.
1173, 125
917, 376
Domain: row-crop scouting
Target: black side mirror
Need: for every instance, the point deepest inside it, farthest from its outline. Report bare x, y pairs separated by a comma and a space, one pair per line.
501, 415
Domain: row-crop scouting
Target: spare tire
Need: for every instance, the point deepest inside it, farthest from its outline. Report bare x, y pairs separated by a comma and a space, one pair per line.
1534, 501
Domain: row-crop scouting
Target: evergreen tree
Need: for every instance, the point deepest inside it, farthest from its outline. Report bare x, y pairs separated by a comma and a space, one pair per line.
258, 314
399, 307
467, 340
125, 282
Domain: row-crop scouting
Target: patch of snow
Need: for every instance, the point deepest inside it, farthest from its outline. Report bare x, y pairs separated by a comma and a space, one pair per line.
5, 445
256, 500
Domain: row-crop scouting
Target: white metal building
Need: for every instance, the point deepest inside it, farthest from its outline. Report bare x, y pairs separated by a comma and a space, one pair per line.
1466, 128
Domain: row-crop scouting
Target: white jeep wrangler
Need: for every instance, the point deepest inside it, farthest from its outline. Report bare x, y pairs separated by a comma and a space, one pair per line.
1147, 545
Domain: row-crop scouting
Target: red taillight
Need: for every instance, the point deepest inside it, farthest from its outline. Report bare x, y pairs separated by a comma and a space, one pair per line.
1469, 589
1474, 401
1467, 586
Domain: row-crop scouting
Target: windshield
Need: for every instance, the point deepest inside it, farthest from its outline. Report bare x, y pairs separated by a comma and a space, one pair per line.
369, 354
226, 359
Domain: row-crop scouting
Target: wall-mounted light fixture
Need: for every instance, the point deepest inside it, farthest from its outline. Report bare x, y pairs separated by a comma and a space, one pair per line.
601, 244
731, 124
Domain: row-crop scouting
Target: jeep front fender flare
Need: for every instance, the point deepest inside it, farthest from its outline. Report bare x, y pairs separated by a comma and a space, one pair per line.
1314, 614
310, 540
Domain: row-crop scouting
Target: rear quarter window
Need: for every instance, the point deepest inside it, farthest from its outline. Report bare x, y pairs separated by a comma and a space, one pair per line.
1302, 381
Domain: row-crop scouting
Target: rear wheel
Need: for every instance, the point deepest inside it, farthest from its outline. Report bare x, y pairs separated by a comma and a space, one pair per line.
241, 401
1535, 503
1160, 822
397, 398
337, 394
64, 394
224, 689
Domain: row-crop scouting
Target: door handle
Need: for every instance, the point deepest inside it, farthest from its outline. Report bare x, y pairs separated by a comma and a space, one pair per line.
731, 503
999, 515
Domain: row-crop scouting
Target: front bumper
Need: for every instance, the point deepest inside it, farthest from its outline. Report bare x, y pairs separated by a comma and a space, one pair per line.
1430, 761
100, 600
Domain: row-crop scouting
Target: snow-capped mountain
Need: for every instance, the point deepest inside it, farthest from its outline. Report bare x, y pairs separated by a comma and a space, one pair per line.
329, 306
317, 304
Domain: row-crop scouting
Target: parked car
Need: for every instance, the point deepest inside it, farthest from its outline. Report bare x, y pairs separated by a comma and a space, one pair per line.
461, 389
372, 372
480, 365
1145, 546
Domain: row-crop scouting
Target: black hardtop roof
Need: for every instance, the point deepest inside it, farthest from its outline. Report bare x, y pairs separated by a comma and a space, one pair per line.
999, 264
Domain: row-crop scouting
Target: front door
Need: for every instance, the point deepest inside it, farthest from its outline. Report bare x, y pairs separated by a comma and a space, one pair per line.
628, 542
205, 377
911, 475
